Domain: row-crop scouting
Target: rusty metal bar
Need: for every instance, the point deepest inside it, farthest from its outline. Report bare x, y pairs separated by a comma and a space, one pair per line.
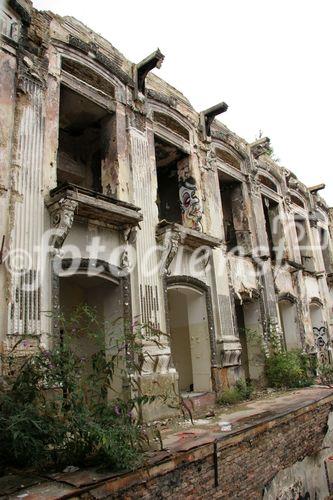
216, 466
2, 248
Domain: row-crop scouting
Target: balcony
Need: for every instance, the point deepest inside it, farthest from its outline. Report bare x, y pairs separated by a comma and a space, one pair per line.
188, 237
90, 204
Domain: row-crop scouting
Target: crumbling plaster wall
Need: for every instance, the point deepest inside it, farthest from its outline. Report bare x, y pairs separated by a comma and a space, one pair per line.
7, 107
305, 477
129, 174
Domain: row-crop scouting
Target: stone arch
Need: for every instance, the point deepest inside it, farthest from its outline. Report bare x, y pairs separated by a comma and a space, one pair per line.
316, 302
249, 320
87, 152
269, 168
287, 297
190, 325
92, 71
268, 181
171, 119
297, 199
88, 74
229, 155
229, 158
95, 268
104, 288
289, 321
82, 51
178, 124
171, 123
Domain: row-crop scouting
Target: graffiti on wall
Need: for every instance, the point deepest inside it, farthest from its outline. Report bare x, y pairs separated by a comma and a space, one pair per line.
190, 203
321, 342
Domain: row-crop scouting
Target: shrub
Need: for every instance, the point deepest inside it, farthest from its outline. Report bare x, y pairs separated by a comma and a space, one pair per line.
288, 369
240, 392
326, 374
229, 397
55, 409
244, 388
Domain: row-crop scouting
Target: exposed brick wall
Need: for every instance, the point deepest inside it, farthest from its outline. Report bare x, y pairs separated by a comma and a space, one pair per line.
246, 461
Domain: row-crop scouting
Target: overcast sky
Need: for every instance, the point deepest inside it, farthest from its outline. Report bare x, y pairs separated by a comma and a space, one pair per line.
270, 61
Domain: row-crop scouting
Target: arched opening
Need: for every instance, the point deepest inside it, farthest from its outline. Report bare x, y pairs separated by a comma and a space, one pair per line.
84, 144
236, 225
170, 162
266, 181
289, 324
297, 201
274, 228
250, 333
172, 124
316, 314
104, 300
228, 158
87, 75
189, 338
304, 242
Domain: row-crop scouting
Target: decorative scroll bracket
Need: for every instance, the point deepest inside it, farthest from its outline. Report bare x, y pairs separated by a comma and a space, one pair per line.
207, 118
142, 69
171, 244
62, 217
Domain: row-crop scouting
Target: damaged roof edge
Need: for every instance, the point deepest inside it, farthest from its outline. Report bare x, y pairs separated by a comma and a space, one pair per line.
155, 83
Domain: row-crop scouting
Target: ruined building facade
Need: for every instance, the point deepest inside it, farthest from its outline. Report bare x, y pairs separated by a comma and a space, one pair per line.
94, 150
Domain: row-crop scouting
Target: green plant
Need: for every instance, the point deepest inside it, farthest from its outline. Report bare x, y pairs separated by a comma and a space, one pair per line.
282, 368
269, 149
56, 408
288, 369
240, 392
326, 374
244, 388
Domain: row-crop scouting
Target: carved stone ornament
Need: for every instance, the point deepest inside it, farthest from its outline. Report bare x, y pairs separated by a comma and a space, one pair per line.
321, 203
130, 235
231, 357
287, 201
258, 151
155, 363
313, 220
124, 260
293, 183
62, 220
255, 186
210, 159
171, 244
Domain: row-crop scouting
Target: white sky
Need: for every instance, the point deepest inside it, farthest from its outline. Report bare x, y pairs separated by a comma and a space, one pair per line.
270, 61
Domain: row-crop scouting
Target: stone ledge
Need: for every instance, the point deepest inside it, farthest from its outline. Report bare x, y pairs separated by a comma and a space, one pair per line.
189, 237
93, 205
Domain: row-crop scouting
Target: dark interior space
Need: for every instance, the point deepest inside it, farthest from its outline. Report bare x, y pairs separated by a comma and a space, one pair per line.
81, 125
325, 248
229, 187
242, 337
270, 207
304, 243
167, 157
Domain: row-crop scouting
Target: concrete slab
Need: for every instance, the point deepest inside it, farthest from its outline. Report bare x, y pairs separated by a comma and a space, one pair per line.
13, 482
241, 417
46, 490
